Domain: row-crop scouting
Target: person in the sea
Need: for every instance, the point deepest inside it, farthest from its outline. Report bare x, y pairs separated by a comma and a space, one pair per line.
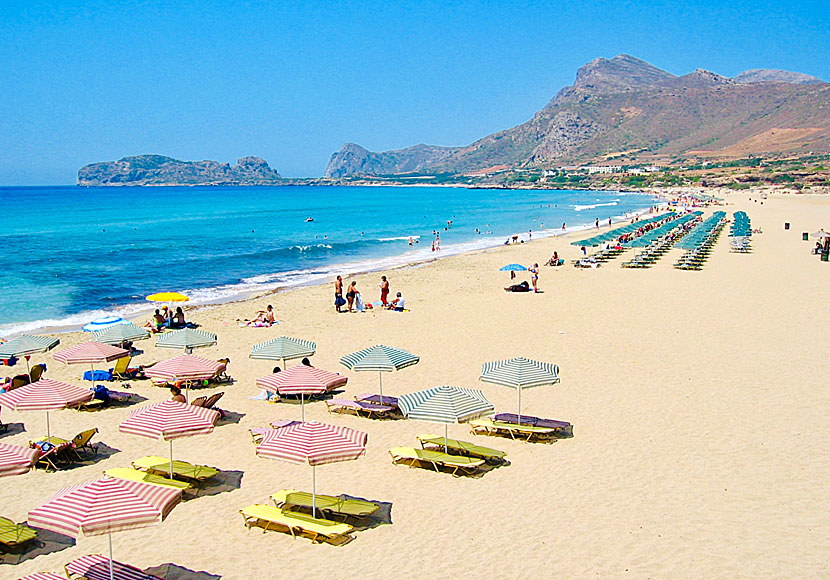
350, 295
177, 395
338, 294
264, 317
384, 290
534, 271
398, 303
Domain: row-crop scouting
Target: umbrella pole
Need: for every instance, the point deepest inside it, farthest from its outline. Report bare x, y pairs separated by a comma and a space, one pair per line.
520, 405
48, 430
446, 426
302, 406
313, 491
380, 383
171, 459
112, 575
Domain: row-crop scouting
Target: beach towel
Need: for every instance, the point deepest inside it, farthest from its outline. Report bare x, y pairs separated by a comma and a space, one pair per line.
359, 303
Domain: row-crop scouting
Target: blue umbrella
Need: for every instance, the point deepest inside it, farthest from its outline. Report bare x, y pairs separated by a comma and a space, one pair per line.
104, 323
512, 268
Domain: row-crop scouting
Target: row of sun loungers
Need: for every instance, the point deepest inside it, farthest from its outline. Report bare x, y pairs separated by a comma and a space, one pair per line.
700, 241
740, 234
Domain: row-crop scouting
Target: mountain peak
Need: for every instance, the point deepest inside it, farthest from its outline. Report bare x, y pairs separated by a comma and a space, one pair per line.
768, 75
618, 74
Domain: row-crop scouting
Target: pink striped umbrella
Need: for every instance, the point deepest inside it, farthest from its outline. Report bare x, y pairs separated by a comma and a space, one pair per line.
16, 460
301, 380
90, 353
313, 443
44, 395
43, 576
105, 506
170, 420
96, 567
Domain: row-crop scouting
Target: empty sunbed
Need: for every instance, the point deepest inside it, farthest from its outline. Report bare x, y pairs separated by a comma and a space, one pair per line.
339, 505
144, 477
359, 408
562, 427
376, 399
438, 443
97, 567
317, 529
513, 430
415, 457
13, 535
181, 469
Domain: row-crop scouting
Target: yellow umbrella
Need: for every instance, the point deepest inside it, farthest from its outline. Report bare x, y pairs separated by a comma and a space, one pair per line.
167, 297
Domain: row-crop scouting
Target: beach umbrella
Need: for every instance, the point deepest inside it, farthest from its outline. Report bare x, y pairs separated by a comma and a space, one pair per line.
42, 576
186, 338
167, 297
90, 353
380, 358
512, 268
170, 420
103, 323
27, 344
821, 234
312, 443
185, 367
16, 460
301, 380
44, 395
445, 404
519, 373
119, 333
283, 348
104, 506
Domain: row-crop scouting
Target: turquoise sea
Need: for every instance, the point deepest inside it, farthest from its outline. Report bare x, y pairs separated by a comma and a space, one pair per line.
71, 254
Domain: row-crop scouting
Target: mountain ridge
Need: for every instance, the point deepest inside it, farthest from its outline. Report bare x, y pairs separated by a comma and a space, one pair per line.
162, 170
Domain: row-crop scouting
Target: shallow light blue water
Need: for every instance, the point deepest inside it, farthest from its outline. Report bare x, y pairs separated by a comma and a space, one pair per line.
71, 253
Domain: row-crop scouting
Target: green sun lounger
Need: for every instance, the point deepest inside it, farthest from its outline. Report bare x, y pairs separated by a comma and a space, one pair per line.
181, 469
12, 534
414, 457
317, 529
144, 477
461, 447
514, 430
348, 507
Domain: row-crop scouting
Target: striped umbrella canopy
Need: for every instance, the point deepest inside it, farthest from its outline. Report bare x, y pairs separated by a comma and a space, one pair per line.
520, 373
44, 395
91, 353
380, 358
27, 344
186, 338
16, 460
185, 367
170, 420
42, 576
103, 323
105, 506
119, 333
445, 404
283, 348
312, 443
301, 380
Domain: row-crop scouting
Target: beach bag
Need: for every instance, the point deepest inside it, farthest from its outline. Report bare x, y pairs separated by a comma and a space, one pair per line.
339, 301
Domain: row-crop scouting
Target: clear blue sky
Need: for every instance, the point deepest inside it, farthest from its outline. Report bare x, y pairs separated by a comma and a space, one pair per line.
291, 82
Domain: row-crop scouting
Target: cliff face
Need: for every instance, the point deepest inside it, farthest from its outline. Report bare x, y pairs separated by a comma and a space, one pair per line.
160, 170
624, 104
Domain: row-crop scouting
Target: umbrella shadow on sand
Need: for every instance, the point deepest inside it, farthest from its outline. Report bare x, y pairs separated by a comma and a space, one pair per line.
47, 542
380, 518
175, 572
229, 417
225, 481
102, 452
12, 429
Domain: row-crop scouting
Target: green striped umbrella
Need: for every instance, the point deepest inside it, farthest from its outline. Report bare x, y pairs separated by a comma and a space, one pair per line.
283, 348
380, 358
520, 373
118, 333
27, 344
445, 405
186, 338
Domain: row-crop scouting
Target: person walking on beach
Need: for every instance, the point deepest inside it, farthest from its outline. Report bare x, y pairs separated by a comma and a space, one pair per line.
534, 271
437, 242
350, 295
596, 222
384, 290
338, 294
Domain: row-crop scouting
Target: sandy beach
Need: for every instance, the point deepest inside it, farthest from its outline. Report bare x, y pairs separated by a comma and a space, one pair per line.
698, 399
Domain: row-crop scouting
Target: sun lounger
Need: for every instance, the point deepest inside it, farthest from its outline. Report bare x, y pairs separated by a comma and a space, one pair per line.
297, 524
562, 427
181, 469
97, 567
339, 505
52, 457
436, 442
359, 408
116, 397
81, 441
414, 457
36, 372
376, 399
144, 477
514, 430
122, 371
13, 535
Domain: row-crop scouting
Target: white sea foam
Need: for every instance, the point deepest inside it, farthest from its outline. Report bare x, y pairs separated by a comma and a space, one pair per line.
398, 238
594, 205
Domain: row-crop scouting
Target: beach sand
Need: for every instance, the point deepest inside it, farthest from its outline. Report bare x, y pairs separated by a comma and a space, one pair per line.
699, 403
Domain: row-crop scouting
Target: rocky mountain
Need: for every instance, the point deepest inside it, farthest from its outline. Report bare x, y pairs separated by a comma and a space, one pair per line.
625, 108
160, 170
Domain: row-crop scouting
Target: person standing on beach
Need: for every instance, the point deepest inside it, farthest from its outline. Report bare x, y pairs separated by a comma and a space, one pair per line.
350, 295
437, 242
534, 271
338, 293
384, 290
596, 222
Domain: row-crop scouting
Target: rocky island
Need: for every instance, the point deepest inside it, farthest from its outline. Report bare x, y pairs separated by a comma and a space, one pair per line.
161, 170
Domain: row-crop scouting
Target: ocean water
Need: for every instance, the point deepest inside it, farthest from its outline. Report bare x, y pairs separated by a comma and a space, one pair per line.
72, 254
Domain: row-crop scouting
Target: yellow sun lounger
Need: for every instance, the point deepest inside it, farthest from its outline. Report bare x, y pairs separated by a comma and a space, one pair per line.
514, 430
181, 469
12, 534
438, 443
144, 477
297, 524
413, 457
348, 507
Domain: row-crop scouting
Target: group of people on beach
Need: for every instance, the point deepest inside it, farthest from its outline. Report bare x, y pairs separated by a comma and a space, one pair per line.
166, 318
354, 300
